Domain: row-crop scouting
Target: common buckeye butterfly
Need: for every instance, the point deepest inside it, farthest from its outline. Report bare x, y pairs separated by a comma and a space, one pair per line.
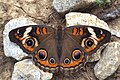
62, 49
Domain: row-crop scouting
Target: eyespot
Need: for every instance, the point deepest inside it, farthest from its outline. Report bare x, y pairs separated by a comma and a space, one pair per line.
67, 61
52, 61
76, 54
99, 33
30, 42
42, 54
19, 34
89, 42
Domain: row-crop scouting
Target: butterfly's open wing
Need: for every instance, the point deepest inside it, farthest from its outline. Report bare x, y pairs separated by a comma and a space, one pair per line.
78, 42
29, 37
39, 41
91, 38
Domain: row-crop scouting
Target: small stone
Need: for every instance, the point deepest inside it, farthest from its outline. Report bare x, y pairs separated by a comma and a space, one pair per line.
30, 1
66, 5
115, 27
75, 18
26, 70
109, 62
112, 14
10, 48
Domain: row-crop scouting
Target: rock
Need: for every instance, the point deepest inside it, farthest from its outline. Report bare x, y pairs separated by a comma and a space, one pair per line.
112, 14
96, 56
109, 62
115, 27
63, 6
6, 67
109, 13
76, 18
26, 70
10, 48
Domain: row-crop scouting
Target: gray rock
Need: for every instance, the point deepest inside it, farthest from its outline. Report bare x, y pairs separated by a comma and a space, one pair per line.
115, 27
77, 18
10, 48
65, 5
109, 62
26, 70
112, 14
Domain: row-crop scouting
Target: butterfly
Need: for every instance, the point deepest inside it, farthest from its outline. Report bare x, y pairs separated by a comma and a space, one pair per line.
59, 49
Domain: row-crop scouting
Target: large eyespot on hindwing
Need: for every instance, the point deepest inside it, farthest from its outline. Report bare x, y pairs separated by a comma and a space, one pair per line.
42, 54
89, 44
76, 55
41, 59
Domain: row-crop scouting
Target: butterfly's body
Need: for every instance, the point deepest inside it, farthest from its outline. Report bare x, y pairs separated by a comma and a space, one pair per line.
62, 49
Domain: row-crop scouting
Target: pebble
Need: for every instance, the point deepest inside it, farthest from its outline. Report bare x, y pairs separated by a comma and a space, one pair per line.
109, 62
63, 6
76, 18
26, 70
